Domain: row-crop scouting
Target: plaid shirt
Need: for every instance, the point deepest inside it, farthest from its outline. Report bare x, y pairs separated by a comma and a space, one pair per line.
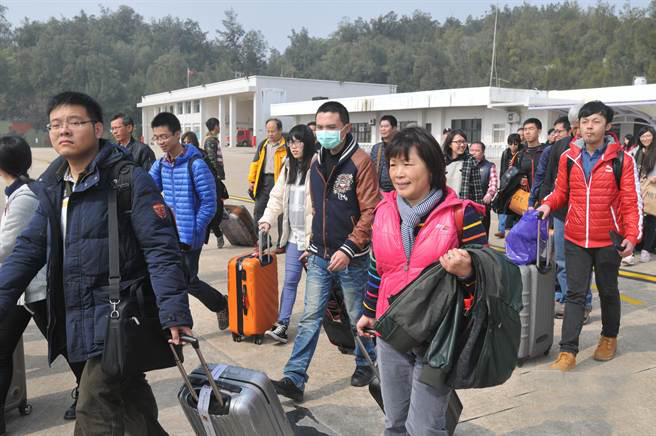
471, 188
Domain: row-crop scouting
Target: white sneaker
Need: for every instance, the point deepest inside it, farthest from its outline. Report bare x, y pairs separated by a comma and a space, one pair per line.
645, 256
629, 260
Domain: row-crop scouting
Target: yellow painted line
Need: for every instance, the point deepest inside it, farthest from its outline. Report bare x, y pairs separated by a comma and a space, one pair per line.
650, 278
247, 200
631, 300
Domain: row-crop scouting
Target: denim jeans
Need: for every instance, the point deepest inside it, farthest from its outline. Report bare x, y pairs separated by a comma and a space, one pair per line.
502, 223
317, 291
293, 271
411, 406
561, 270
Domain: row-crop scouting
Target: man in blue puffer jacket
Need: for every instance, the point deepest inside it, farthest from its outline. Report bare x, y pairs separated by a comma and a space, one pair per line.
192, 197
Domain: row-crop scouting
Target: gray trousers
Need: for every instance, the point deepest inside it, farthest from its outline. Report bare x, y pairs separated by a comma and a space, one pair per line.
411, 407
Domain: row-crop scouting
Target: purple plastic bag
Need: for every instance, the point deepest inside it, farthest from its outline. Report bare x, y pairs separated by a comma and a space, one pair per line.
521, 242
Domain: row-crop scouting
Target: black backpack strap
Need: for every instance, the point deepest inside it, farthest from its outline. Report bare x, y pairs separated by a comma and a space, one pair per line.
618, 165
122, 184
190, 164
114, 261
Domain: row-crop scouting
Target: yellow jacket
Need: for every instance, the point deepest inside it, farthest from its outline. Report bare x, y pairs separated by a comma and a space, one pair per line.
255, 170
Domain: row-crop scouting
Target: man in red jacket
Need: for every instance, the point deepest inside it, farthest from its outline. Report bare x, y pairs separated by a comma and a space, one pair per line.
603, 198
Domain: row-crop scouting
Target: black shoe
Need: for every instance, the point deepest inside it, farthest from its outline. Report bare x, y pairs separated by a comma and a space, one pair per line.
286, 387
278, 332
222, 317
362, 376
69, 415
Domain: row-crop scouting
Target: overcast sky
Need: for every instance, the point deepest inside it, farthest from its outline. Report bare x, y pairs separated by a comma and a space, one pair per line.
274, 19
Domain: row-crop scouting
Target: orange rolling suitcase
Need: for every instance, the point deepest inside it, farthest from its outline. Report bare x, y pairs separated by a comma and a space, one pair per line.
253, 293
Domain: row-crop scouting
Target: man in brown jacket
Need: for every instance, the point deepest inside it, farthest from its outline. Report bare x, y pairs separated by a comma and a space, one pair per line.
344, 187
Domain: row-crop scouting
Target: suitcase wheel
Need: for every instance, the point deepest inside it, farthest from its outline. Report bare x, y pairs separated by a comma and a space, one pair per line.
520, 362
344, 350
259, 339
236, 337
25, 409
546, 353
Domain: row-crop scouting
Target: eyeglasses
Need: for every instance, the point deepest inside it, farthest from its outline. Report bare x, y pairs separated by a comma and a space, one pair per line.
161, 138
559, 131
55, 126
296, 144
459, 142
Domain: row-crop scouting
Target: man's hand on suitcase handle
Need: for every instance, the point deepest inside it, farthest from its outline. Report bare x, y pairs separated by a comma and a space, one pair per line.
544, 210
264, 227
177, 331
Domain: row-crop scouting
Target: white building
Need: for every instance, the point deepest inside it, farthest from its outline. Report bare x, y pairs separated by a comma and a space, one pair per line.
243, 105
487, 113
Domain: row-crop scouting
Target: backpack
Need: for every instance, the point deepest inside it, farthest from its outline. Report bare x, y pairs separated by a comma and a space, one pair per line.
221, 191
618, 164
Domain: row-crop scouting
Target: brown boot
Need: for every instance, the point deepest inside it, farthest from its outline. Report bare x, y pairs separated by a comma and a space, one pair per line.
606, 349
565, 362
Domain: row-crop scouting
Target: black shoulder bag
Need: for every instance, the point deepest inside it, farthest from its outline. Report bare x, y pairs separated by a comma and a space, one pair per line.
134, 340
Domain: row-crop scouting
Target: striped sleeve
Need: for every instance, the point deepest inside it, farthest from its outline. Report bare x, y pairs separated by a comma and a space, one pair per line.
473, 230
371, 292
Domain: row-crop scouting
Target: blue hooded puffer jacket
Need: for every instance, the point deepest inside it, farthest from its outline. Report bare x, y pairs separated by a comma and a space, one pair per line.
193, 203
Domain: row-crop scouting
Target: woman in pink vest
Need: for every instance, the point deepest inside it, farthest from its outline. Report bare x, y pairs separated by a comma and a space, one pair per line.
415, 226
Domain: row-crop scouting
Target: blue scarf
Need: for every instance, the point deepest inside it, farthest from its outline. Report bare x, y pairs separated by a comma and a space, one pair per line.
411, 217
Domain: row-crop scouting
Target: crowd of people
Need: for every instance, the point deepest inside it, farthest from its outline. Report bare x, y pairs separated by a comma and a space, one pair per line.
369, 221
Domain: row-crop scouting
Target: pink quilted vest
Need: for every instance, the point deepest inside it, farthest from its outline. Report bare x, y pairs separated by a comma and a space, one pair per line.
436, 237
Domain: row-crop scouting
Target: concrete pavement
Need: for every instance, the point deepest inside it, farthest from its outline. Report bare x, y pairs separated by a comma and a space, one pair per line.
613, 398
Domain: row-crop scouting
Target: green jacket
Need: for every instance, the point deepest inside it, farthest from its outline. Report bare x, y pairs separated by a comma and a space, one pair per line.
476, 349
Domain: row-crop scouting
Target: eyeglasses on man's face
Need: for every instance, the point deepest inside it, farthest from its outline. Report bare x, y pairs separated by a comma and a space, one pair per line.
56, 125
159, 139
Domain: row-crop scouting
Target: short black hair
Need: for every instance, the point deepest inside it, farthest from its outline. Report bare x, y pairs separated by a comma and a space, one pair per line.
564, 120
481, 143
446, 130
514, 138
73, 98
166, 119
535, 121
212, 123
550, 131
127, 119
275, 120
335, 107
597, 107
427, 148
390, 119
312, 123
15, 156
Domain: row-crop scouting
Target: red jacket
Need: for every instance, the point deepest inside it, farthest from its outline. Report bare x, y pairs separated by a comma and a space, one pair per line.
598, 206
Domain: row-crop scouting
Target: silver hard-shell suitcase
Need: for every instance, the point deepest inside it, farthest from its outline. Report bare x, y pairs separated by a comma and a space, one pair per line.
224, 400
538, 297
17, 394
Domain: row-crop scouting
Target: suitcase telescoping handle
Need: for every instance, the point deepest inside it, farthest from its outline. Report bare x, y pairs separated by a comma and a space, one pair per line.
372, 365
196, 346
538, 259
264, 245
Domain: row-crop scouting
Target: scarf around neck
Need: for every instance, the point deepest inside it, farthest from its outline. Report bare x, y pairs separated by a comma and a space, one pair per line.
411, 217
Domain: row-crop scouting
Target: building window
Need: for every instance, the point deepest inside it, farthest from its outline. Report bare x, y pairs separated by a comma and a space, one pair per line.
498, 133
171, 109
362, 132
429, 128
188, 107
196, 106
197, 130
180, 108
471, 127
404, 124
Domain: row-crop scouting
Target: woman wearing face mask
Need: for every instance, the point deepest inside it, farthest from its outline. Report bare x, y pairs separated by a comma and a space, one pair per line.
415, 226
461, 173
190, 138
20, 204
290, 197
514, 142
646, 162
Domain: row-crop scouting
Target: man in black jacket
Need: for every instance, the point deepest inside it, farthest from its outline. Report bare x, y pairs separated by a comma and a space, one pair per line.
527, 159
69, 231
122, 127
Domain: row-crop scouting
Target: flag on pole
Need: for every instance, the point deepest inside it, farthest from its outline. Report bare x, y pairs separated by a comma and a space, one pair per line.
190, 72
